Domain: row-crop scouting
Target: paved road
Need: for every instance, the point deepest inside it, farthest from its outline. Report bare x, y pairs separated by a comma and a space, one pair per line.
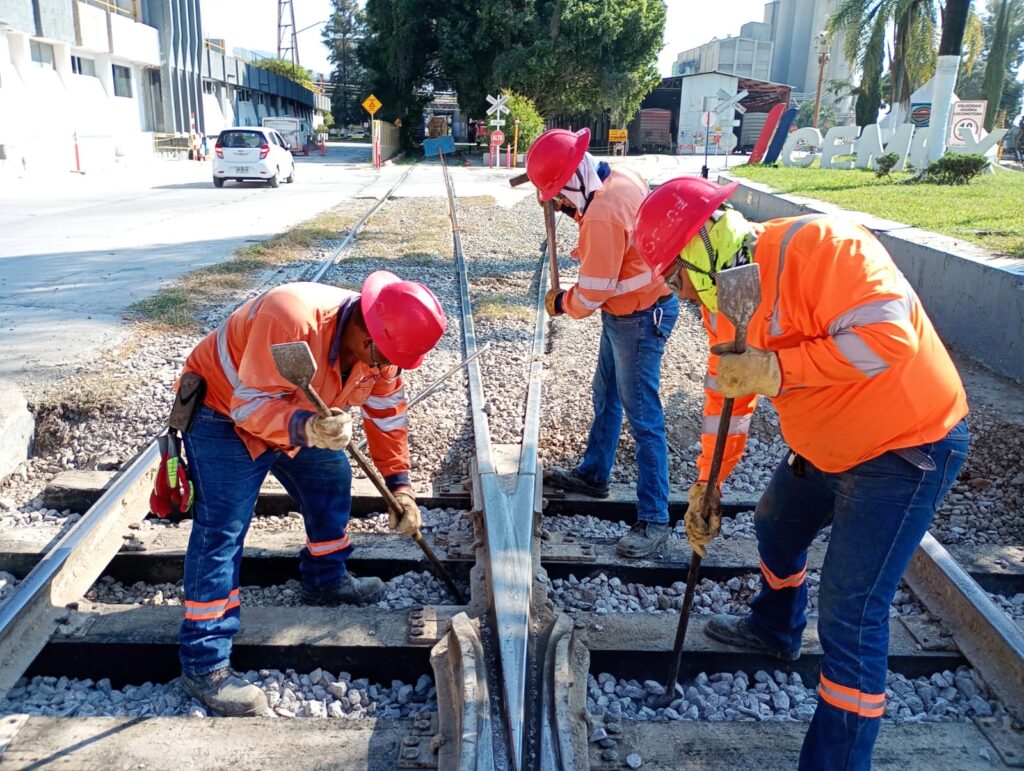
75, 251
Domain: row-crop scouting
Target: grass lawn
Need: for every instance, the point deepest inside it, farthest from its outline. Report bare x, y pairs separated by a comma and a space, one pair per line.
989, 211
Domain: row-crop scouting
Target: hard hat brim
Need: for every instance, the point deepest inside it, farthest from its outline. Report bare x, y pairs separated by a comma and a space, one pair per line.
572, 163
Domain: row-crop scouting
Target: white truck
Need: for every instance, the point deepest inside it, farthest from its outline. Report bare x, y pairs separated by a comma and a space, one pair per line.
292, 129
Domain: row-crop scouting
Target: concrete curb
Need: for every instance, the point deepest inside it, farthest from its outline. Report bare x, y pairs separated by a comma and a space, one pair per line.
17, 427
974, 298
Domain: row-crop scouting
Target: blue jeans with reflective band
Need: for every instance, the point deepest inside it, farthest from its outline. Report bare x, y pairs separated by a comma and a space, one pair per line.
227, 483
879, 511
627, 378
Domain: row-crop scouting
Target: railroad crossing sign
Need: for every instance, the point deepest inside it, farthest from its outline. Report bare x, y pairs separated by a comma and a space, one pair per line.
728, 101
497, 105
497, 137
371, 104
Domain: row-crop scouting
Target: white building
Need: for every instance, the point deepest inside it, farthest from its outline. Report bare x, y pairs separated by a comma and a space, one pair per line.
116, 79
70, 69
747, 57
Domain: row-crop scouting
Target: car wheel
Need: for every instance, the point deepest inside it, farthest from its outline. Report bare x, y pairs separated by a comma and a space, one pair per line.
275, 180
218, 181
291, 177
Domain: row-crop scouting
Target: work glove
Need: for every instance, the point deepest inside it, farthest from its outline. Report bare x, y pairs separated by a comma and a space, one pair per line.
698, 531
406, 521
553, 302
752, 372
329, 432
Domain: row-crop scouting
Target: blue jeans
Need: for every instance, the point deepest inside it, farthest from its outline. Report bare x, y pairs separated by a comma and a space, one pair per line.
879, 511
628, 376
227, 483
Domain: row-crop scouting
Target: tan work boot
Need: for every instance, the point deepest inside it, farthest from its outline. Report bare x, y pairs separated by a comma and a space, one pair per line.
226, 693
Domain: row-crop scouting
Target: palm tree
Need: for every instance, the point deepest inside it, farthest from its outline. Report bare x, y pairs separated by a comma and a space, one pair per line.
1009, 27
865, 24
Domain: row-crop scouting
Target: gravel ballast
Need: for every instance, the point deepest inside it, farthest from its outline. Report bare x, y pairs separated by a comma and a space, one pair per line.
318, 694
404, 591
945, 696
603, 595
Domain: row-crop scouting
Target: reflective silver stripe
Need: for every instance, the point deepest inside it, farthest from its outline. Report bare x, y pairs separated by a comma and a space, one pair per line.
592, 282
738, 424
389, 423
638, 281
893, 309
713, 319
859, 354
386, 402
590, 305
775, 328
224, 354
256, 306
711, 382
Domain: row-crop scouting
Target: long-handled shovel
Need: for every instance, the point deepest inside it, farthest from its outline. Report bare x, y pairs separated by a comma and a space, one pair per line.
739, 294
296, 364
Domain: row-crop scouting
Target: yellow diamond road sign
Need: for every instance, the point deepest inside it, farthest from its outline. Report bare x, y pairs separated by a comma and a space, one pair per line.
371, 104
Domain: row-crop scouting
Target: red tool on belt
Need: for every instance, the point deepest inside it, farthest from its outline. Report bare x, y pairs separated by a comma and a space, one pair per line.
173, 493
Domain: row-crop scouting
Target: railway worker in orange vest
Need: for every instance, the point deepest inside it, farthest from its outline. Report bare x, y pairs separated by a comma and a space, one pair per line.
871, 407
638, 313
253, 422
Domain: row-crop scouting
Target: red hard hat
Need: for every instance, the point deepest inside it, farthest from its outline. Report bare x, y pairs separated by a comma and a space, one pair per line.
671, 215
404, 318
554, 157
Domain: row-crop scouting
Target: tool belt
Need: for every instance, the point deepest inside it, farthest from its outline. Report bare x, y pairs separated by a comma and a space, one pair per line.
915, 456
173, 493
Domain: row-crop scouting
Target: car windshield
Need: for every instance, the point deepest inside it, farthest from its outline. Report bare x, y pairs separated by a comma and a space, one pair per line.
241, 139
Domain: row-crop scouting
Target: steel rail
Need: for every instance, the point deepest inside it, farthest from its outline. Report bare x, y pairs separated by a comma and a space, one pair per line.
350, 238
29, 617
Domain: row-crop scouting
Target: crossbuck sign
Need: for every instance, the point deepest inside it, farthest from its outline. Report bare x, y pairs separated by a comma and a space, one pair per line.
497, 109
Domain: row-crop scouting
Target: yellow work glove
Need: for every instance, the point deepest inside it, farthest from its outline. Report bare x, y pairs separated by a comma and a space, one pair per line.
329, 432
552, 302
752, 372
698, 531
407, 520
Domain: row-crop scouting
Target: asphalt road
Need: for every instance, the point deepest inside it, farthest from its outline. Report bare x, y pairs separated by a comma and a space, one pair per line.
76, 251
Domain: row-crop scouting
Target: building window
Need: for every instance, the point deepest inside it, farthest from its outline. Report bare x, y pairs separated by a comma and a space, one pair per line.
82, 66
42, 54
207, 86
122, 81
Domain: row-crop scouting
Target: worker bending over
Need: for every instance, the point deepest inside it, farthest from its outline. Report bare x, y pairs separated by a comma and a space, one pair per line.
638, 314
871, 407
254, 421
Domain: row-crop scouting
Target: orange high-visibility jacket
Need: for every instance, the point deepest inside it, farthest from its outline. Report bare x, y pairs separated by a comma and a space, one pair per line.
269, 412
863, 370
613, 276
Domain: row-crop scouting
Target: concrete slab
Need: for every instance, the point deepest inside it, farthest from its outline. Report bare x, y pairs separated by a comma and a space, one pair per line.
106, 744
17, 427
775, 746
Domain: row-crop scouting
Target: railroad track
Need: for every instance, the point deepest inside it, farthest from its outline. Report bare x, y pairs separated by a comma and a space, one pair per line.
525, 674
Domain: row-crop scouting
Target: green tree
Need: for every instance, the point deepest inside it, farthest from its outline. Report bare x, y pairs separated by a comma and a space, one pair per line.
826, 116
285, 69
972, 82
400, 54
531, 125
1006, 40
342, 35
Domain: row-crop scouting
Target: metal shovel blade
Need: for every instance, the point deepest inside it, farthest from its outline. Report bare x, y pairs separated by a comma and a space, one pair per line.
739, 293
295, 362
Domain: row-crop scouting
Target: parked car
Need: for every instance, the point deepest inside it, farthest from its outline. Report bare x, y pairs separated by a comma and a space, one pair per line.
247, 153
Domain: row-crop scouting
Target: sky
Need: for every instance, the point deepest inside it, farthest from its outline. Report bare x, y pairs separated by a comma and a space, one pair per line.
252, 24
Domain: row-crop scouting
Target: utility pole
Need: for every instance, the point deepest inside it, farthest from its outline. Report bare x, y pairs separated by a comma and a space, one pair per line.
822, 50
287, 40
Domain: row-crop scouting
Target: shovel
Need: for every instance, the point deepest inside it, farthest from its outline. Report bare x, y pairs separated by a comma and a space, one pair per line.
296, 364
739, 294
549, 226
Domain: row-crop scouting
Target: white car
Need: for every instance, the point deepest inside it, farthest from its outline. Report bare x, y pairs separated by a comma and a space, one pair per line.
246, 153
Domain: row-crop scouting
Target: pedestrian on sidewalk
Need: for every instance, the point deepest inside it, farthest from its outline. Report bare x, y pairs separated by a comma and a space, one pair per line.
871, 407
253, 421
638, 313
